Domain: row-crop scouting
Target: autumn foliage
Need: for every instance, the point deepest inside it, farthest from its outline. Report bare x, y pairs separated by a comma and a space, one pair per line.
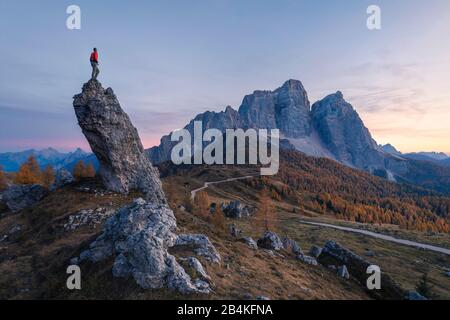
202, 205
29, 172
218, 220
81, 170
265, 218
48, 176
3, 180
325, 186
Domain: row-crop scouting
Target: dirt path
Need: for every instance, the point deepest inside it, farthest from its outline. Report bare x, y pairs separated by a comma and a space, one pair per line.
207, 184
381, 236
360, 231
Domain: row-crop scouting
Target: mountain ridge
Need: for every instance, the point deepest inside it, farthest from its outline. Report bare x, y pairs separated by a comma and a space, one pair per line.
330, 128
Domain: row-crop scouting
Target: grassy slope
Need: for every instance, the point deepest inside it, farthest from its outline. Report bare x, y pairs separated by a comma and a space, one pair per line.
33, 263
405, 264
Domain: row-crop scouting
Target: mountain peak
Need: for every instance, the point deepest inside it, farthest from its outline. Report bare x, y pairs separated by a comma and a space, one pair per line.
293, 85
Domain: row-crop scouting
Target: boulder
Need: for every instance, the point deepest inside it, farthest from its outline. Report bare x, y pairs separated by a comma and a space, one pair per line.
234, 231
342, 272
139, 236
315, 251
196, 265
414, 295
250, 243
270, 241
62, 178
335, 254
201, 244
307, 259
291, 245
236, 210
124, 165
18, 197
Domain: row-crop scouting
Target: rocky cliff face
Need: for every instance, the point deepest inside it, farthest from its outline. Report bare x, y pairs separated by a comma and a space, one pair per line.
344, 134
116, 143
331, 129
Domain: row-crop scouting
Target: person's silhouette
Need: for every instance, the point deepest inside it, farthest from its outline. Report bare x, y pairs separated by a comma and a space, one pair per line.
94, 64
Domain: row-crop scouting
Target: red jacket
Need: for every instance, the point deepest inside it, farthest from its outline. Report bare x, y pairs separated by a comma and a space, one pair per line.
94, 56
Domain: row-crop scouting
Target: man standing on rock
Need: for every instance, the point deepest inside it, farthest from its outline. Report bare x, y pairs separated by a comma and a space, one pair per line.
94, 64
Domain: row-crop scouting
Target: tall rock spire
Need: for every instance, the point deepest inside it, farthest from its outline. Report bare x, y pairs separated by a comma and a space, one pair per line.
116, 143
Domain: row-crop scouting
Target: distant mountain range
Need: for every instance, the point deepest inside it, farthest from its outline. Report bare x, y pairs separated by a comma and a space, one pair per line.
436, 157
11, 161
329, 128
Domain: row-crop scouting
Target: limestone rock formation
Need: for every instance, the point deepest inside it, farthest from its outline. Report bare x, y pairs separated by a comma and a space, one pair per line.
335, 254
270, 241
138, 236
18, 197
62, 178
116, 143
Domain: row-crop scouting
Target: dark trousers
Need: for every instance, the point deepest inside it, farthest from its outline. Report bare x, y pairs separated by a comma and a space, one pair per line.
95, 70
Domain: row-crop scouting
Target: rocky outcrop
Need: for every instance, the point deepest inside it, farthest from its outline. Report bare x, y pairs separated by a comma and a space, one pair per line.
236, 210
116, 143
139, 236
250, 242
62, 178
18, 197
315, 251
307, 259
270, 241
291, 245
201, 245
335, 254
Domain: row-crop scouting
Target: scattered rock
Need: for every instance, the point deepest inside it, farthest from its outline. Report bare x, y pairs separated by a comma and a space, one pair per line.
307, 259
15, 229
114, 140
201, 244
18, 197
95, 191
342, 272
62, 178
234, 231
195, 264
270, 241
291, 245
248, 296
369, 253
87, 217
413, 295
236, 210
262, 298
250, 243
315, 251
